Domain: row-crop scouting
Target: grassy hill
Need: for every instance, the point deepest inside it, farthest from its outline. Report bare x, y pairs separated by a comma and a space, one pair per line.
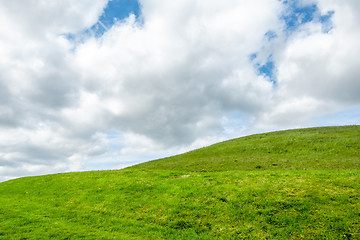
248, 188
301, 149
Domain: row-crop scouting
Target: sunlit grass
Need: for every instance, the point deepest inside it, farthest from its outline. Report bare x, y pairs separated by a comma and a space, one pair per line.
200, 195
181, 205
302, 149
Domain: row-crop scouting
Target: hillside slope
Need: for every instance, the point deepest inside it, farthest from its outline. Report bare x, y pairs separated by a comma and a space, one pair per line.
196, 196
300, 149
162, 204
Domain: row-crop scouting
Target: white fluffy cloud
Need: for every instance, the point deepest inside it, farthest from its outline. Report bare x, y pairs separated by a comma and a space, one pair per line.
37, 82
318, 72
170, 80
173, 77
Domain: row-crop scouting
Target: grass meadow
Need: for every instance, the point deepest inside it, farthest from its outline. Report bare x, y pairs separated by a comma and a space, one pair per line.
198, 199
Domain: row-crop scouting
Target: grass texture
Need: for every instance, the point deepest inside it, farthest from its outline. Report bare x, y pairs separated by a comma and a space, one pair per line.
204, 194
302, 149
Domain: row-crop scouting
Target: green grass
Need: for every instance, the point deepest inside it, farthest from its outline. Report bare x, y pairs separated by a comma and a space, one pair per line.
302, 149
187, 197
137, 204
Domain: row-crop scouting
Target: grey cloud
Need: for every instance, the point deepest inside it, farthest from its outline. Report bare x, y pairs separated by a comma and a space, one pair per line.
6, 112
183, 95
55, 90
187, 109
37, 81
8, 163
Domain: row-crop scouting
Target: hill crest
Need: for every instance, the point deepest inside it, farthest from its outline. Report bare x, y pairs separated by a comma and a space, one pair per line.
298, 149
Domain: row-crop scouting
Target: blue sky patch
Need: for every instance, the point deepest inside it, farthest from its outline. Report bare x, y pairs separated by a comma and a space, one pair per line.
326, 22
252, 57
349, 116
268, 70
297, 14
234, 124
270, 35
119, 9
115, 140
114, 11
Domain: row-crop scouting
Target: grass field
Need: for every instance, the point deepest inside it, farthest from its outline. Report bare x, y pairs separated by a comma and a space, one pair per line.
189, 197
302, 149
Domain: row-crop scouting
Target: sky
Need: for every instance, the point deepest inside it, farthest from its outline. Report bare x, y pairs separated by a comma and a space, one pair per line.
93, 85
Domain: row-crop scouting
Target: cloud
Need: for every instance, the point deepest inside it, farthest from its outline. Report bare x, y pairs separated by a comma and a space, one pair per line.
51, 17
317, 71
174, 76
37, 81
181, 75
